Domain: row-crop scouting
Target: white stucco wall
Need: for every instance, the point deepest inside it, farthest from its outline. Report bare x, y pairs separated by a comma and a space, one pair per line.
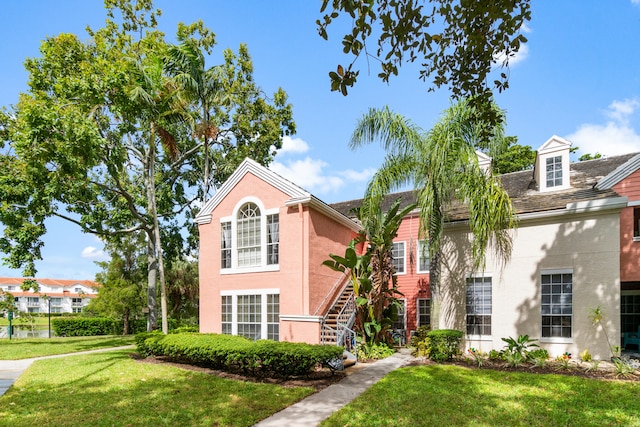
587, 244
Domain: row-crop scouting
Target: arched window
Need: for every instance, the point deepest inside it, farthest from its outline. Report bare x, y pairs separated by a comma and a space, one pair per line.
250, 239
248, 235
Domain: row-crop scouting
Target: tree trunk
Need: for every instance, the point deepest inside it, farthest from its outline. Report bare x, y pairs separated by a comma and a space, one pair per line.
152, 272
434, 288
125, 322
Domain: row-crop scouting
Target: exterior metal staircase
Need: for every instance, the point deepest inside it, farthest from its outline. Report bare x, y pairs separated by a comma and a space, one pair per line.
338, 323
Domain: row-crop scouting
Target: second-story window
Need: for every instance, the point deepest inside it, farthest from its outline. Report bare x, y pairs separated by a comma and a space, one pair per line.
248, 229
554, 171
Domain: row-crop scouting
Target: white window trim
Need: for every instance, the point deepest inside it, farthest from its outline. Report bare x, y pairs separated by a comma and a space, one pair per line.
404, 261
264, 330
479, 337
263, 267
418, 310
419, 253
557, 340
403, 301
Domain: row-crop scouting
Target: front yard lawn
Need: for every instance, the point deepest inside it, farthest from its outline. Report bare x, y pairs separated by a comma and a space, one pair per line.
449, 395
111, 389
21, 348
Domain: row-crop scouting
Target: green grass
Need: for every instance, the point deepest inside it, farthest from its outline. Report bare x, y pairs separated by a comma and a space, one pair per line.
39, 321
36, 347
111, 389
439, 395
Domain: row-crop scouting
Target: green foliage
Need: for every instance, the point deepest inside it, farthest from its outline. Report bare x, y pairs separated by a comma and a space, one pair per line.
420, 335
496, 355
479, 357
443, 344
589, 156
442, 35
109, 137
263, 358
514, 360
538, 353
514, 159
83, 326
442, 164
372, 274
585, 356
624, 368
374, 351
521, 346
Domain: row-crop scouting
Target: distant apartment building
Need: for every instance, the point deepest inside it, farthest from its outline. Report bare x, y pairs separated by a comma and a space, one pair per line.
61, 296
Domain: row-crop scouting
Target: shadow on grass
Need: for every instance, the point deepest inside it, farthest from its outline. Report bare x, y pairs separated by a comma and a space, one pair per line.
451, 395
106, 389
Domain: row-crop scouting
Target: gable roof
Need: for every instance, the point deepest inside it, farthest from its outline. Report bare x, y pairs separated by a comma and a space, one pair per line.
620, 173
297, 194
555, 143
522, 190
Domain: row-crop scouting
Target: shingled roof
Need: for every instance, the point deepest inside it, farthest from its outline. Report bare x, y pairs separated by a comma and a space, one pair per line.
523, 190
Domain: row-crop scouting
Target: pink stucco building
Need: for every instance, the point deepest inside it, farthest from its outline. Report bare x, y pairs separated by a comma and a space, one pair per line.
263, 240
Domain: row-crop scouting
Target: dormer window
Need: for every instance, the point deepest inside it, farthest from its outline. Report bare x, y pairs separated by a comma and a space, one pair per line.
552, 165
554, 171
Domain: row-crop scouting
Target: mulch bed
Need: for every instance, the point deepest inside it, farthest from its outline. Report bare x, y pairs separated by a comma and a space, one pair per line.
318, 379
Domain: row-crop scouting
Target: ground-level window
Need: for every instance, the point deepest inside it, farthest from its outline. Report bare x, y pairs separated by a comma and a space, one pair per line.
424, 311
252, 314
33, 309
636, 222
629, 312
557, 303
479, 305
398, 252
400, 323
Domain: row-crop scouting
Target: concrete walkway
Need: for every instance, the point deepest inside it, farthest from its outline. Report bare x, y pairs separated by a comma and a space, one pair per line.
314, 409
10, 370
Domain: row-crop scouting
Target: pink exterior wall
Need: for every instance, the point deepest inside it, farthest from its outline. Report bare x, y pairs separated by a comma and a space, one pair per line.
307, 238
629, 249
412, 284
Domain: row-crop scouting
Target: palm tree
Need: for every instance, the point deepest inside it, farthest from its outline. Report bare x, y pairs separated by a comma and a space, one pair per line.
442, 164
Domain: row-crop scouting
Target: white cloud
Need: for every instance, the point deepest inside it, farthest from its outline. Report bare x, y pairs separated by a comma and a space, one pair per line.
616, 136
93, 252
520, 55
293, 145
311, 175
635, 1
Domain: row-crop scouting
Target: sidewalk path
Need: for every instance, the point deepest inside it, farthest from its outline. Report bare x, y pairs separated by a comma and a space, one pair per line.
10, 370
314, 409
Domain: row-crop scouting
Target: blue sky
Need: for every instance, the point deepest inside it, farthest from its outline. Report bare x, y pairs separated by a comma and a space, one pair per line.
578, 77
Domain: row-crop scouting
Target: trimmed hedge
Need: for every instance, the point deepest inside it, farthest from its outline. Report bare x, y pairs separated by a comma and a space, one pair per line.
263, 358
83, 326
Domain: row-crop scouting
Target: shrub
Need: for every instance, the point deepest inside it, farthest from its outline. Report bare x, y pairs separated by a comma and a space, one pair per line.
83, 326
237, 354
420, 335
522, 345
496, 355
443, 344
585, 356
374, 351
537, 354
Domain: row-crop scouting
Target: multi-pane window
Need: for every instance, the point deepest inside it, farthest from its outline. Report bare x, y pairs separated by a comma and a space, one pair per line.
557, 304
56, 302
248, 235
423, 256
273, 317
76, 309
400, 323
254, 315
227, 314
250, 239
424, 311
76, 302
225, 245
273, 239
250, 316
629, 312
554, 171
398, 254
33, 302
636, 222
479, 305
